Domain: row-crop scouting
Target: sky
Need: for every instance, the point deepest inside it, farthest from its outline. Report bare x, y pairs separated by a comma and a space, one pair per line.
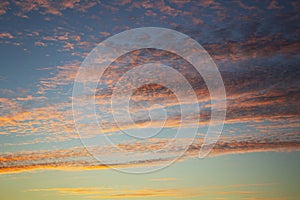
255, 46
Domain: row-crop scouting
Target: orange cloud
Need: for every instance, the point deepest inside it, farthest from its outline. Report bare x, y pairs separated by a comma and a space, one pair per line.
52, 7
40, 44
112, 193
6, 35
80, 159
3, 7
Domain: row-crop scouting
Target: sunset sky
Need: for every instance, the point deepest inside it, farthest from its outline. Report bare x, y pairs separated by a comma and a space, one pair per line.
255, 46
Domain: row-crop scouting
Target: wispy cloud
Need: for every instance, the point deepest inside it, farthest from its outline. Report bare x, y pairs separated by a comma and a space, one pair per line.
110, 193
113, 193
80, 159
165, 179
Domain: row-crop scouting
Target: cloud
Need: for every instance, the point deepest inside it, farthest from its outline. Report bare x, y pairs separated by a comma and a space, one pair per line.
105, 34
7, 92
64, 76
68, 46
207, 3
233, 51
110, 193
3, 7
164, 179
245, 190
248, 101
6, 35
78, 158
245, 6
259, 65
162, 8
52, 7
274, 5
40, 44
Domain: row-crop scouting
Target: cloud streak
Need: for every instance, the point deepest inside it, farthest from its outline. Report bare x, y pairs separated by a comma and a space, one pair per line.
245, 190
79, 159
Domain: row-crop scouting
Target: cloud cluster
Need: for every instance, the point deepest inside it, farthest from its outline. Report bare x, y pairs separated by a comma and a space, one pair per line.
257, 52
51, 7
